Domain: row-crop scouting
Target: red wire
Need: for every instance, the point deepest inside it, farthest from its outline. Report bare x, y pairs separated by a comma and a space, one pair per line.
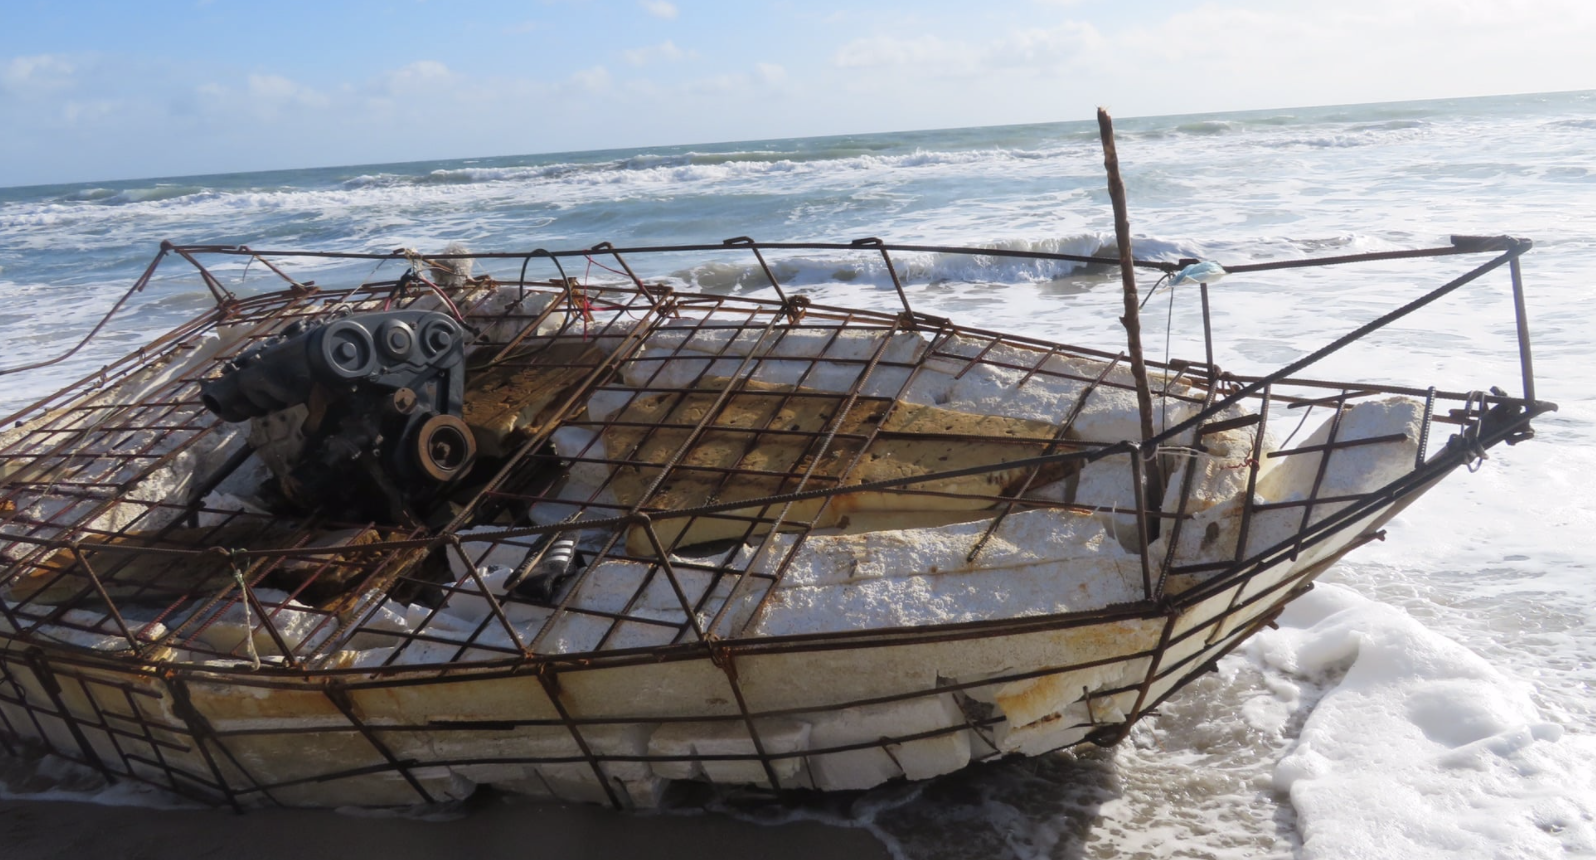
592, 262
445, 296
633, 278
587, 310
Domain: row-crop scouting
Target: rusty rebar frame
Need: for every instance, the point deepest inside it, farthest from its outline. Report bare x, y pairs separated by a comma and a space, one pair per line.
48, 662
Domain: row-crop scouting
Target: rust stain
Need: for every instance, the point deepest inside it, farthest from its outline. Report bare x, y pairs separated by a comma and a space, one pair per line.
771, 439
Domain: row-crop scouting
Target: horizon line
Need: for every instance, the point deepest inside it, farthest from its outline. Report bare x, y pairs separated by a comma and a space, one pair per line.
1085, 122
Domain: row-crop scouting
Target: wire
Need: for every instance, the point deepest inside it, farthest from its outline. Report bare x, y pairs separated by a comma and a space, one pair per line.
1156, 284
1169, 326
593, 262
1305, 414
398, 290
445, 297
86, 338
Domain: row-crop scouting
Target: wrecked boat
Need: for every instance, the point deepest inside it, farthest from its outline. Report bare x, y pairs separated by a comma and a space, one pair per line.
390, 541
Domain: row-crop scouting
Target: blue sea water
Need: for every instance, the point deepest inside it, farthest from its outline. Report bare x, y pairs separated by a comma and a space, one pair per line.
1479, 610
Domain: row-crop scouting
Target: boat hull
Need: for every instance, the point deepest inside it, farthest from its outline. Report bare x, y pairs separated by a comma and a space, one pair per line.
829, 548
830, 712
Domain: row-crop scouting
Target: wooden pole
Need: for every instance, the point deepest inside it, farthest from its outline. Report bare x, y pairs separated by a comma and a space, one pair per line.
1132, 318
1127, 274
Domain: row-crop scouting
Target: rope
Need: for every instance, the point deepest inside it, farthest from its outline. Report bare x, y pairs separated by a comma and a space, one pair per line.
249, 622
1470, 435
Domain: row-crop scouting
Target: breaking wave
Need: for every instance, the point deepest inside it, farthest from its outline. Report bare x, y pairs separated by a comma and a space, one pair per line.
697, 166
562, 183
929, 267
154, 194
1209, 126
1359, 134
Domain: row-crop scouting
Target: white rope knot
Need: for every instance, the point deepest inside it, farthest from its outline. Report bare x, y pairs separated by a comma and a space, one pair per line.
249, 622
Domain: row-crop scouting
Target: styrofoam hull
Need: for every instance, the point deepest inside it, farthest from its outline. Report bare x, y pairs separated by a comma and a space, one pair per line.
830, 713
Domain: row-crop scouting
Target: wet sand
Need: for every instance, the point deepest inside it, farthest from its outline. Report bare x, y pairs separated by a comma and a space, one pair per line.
35, 830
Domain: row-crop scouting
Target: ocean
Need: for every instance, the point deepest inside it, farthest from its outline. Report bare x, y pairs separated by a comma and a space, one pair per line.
1431, 698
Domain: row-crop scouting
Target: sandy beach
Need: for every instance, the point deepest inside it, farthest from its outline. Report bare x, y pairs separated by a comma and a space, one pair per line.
35, 830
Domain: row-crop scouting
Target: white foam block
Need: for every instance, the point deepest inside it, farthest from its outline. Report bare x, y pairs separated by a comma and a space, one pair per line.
1211, 535
870, 766
1037, 562
730, 738
1358, 469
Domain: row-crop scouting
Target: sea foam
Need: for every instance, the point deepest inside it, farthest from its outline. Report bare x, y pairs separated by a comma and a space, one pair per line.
1420, 748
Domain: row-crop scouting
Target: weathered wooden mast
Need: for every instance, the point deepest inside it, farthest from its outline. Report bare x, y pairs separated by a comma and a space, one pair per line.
1132, 318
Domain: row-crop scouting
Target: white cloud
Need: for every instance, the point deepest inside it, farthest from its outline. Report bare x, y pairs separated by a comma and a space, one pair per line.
88, 112
664, 51
271, 87
595, 79
770, 73
276, 90
417, 76
1220, 55
1038, 46
1248, 54
877, 51
659, 8
36, 75
1036, 49
719, 85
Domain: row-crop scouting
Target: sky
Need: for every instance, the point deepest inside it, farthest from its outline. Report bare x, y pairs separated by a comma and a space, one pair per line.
121, 90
